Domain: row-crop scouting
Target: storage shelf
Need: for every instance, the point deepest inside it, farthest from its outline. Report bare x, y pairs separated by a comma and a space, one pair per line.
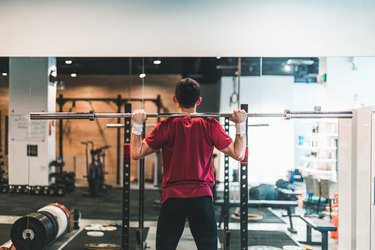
323, 134
316, 159
317, 148
324, 174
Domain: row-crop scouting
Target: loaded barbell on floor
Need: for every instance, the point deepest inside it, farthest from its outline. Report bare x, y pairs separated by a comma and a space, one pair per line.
287, 114
39, 229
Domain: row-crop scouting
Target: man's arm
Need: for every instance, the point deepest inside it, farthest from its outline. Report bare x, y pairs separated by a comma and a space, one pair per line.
236, 149
139, 147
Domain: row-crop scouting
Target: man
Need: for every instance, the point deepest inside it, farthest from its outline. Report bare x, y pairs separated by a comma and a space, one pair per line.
187, 145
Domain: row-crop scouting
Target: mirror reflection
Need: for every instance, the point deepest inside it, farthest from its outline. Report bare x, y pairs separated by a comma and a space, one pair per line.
290, 176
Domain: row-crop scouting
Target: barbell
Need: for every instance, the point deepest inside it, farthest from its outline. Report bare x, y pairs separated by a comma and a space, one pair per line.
287, 114
120, 125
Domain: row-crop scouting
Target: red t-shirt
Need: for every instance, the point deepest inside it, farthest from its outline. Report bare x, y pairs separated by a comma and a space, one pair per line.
187, 145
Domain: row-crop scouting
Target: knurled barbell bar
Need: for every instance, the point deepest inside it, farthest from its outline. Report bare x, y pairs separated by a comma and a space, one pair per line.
92, 116
120, 125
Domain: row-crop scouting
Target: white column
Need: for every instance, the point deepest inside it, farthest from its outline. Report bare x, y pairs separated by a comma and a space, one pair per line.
364, 178
347, 183
31, 91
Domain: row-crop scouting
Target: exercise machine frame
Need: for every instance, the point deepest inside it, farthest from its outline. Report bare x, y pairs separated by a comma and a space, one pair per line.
119, 101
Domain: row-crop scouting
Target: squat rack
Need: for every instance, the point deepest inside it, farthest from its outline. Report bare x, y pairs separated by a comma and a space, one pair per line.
140, 233
119, 101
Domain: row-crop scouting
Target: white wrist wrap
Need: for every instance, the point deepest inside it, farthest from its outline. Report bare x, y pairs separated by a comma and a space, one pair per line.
240, 128
137, 129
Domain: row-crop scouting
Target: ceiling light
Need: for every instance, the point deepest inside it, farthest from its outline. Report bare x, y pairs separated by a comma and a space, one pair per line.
68, 61
73, 74
218, 57
157, 62
287, 68
143, 75
300, 61
4, 74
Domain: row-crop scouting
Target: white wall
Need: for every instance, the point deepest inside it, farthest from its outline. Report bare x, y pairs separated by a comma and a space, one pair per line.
343, 83
187, 28
267, 145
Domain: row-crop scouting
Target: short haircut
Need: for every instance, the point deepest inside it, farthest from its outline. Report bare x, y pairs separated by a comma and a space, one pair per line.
187, 92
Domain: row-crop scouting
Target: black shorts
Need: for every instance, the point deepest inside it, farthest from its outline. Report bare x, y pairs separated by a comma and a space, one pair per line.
202, 221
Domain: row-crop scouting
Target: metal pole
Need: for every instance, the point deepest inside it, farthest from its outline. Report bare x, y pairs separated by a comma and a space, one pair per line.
119, 125
91, 115
244, 193
158, 171
141, 196
225, 208
119, 104
239, 81
61, 126
126, 182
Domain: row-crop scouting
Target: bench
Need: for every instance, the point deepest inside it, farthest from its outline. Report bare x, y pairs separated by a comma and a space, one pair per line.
320, 225
282, 204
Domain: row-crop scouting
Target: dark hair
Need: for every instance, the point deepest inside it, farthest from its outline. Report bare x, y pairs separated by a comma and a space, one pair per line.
187, 92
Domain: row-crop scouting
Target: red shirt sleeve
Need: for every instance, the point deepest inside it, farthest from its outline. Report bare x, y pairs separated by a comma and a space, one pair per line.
159, 136
218, 135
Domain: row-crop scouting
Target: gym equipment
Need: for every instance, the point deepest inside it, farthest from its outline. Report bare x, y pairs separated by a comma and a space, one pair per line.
92, 116
39, 229
96, 169
243, 173
140, 232
63, 182
119, 101
320, 225
101, 246
119, 125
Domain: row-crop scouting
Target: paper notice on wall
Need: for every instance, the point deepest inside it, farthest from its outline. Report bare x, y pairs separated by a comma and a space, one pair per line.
23, 129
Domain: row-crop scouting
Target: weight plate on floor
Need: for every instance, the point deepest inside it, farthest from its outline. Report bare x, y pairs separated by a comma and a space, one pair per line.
263, 248
104, 246
292, 248
109, 228
95, 233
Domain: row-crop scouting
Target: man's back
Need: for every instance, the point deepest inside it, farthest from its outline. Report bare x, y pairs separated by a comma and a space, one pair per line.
187, 146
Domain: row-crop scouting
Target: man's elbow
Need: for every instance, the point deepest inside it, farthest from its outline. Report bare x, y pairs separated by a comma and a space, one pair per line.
240, 157
135, 157
237, 156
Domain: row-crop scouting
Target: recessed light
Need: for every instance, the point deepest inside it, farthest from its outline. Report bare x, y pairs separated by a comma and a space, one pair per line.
73, 74
143, 75
68, 61
4, 74
157, 62
218, 57
287, 68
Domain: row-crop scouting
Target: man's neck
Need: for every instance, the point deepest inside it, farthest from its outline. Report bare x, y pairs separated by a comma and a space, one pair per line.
187, 110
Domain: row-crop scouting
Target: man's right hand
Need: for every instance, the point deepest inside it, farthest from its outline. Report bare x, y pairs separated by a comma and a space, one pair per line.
238, 116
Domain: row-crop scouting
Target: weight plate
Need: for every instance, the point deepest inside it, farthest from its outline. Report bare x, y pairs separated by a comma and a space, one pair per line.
95, 234
104, 246
263, 248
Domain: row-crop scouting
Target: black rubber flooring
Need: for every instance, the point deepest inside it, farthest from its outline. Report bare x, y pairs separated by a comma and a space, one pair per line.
112, 237
4, 232
106, 207
259, 238
267, 215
